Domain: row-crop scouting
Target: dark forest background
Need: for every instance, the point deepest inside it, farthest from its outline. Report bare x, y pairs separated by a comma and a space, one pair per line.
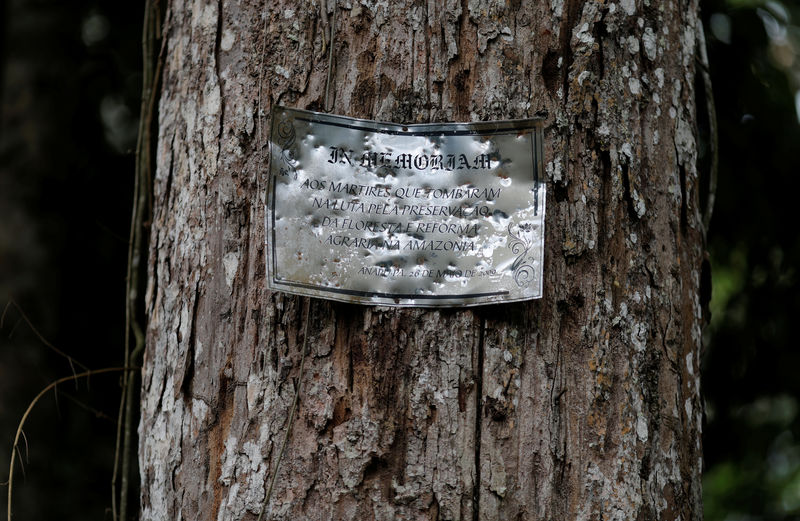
70, 81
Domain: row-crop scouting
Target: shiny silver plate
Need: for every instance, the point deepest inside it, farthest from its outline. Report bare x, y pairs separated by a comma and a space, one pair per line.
432, 215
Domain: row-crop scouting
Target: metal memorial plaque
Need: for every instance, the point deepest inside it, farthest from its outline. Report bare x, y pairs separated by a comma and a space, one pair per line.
432, 215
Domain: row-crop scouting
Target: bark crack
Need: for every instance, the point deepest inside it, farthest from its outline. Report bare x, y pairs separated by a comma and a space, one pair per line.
217, 70
628, 193
188, 372
684, 202
476, 492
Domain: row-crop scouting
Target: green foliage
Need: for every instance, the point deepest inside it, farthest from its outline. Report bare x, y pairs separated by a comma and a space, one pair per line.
752, 434
759, 485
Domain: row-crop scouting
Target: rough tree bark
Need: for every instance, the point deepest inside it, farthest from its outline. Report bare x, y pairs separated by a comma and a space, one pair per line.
582, 405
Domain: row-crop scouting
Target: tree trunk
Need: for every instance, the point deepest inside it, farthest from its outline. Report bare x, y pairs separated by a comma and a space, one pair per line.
582, 405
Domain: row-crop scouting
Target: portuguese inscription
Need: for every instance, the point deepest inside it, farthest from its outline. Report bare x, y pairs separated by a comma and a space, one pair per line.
409, 215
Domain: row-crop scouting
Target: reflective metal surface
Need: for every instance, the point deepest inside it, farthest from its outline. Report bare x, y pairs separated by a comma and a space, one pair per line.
433, 215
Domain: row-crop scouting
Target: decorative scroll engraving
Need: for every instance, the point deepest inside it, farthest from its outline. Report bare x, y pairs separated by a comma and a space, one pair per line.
286, 137
433, 215
520, 244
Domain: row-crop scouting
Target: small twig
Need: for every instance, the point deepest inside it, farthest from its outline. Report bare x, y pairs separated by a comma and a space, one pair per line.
85, 406
290, 421
72, 362
705, 72
27, 450
14, 329
128, 429
117, 442
21, 424
3, 316
21, 464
